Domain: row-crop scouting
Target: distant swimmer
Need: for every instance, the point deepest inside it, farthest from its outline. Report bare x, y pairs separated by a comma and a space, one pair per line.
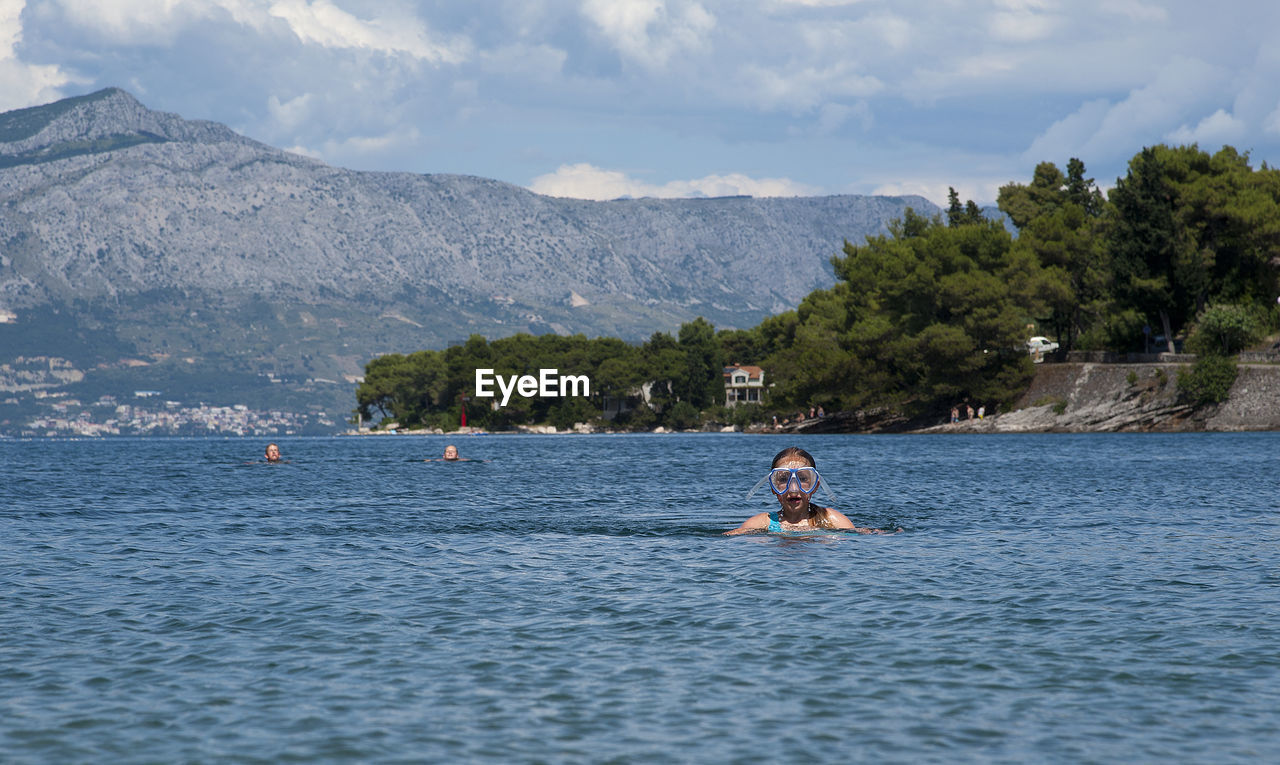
450, 455
273, 453
794, 478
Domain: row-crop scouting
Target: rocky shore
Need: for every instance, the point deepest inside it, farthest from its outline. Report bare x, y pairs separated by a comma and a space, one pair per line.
1084, 397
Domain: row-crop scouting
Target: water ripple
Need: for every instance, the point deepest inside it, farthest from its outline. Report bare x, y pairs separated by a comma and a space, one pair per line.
1053, 598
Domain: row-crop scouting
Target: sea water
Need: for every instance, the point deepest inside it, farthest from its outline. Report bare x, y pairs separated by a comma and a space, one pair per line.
1051, 598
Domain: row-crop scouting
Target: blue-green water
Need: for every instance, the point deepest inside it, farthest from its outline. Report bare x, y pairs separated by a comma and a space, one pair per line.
1053, 598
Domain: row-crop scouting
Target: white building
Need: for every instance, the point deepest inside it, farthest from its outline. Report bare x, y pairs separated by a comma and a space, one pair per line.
743, 385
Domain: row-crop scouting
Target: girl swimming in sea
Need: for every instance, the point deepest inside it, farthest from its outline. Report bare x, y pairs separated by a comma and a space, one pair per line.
794, 478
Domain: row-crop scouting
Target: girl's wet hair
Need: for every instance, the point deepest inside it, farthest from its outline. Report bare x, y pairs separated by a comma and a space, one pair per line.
794, 451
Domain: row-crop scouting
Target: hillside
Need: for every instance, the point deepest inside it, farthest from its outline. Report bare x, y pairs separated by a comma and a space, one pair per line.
139, 245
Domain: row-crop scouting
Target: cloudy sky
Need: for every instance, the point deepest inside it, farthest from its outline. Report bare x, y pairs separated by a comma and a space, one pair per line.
603, 98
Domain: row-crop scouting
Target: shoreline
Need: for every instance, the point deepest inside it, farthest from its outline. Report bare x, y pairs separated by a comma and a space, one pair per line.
1064, 397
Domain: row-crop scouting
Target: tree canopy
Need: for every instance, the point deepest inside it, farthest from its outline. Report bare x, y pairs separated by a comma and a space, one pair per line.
1181, 230
924, 317
430, 388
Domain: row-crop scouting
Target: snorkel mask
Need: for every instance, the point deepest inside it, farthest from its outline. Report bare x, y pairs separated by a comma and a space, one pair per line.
806, 479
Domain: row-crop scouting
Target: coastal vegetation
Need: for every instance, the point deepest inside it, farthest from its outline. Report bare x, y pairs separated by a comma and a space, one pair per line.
1221, 332
1185, 247
429, 388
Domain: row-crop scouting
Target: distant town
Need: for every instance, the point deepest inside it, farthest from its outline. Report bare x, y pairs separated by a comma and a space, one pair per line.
148, 414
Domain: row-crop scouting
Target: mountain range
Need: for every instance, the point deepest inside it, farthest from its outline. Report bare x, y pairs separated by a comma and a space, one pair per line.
149, 250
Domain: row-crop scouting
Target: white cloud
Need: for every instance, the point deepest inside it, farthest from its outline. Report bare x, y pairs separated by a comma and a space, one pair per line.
131, 22
894, 31
1135, 10
964, 74
1067, 135
1021, 26
398, 139
10, 25
1272, 123
320, 22
625, 22
313, 22
289, 114
981, 190
536, 61
831, 117
306, 152
835, 94
1102, 130
807, 87
585, 181
23, 84
1212, 131
820, 3
651, 32
1255, 102
987, 65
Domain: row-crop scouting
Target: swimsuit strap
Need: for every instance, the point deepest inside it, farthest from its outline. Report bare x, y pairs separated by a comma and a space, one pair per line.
775, 523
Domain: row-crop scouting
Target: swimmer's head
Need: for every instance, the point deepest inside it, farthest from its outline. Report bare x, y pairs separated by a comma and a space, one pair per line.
450, 452
793, 477
273, 453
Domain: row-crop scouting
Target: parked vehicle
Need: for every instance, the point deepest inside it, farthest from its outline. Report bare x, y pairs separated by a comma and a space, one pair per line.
1039, 346
1042, 344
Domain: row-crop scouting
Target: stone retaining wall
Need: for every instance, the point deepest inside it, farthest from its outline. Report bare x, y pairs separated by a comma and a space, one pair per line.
1111, 357
1260, 357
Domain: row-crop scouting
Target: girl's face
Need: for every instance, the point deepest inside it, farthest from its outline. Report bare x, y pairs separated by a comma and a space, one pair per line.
794, 500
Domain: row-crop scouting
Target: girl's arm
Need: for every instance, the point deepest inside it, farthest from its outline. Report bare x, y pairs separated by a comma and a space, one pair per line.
754, 523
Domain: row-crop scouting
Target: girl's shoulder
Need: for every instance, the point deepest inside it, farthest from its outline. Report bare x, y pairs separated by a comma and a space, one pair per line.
834, 518
757, 522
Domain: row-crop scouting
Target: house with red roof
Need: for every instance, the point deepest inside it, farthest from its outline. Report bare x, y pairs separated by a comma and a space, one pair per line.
743, 385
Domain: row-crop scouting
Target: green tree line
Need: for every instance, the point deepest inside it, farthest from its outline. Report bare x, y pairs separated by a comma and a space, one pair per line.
682, 375
1186, 246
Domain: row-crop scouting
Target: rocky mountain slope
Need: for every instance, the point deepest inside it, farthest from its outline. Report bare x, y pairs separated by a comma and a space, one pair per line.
127, 233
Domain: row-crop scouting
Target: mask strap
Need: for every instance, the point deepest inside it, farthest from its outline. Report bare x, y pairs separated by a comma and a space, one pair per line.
759, 483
